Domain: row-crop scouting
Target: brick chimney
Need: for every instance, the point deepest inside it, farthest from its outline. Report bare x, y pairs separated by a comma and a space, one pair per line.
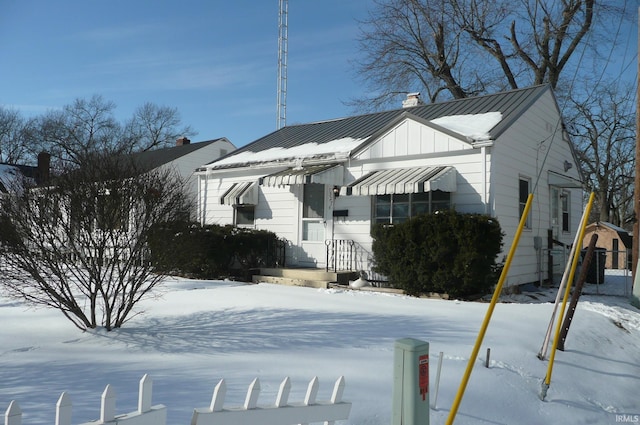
44, 167
413, 99
182, 141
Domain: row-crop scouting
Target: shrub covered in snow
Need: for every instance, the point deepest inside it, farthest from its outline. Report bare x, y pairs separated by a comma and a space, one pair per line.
446, 252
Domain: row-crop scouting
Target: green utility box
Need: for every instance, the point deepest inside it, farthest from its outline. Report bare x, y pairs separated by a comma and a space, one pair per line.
410, 382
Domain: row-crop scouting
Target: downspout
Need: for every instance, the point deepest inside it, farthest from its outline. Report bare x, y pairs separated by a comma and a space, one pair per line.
483, 145
203, 197
485, 197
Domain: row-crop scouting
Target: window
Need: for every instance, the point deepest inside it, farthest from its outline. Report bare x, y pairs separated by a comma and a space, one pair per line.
565, 211
560, 202
245, 215
313, 212
396, 208
524, 186
111, 211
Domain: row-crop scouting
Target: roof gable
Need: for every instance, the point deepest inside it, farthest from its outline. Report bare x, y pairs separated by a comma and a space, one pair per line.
510, 105
411, 135
149, 160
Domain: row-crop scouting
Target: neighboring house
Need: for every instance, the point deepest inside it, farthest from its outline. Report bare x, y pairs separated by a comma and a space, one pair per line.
184, 158
322, 186
13, 175
615, 243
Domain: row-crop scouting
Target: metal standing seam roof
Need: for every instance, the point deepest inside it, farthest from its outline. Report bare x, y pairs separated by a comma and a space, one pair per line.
511, 104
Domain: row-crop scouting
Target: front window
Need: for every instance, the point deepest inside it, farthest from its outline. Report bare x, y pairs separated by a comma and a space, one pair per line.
396, 208
245, 215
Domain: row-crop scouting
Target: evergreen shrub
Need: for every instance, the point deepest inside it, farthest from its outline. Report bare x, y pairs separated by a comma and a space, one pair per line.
210, 252
445, 252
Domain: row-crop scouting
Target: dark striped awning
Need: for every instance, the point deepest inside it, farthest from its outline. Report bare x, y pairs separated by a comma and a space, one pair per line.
332, 174
403, 180
242, 193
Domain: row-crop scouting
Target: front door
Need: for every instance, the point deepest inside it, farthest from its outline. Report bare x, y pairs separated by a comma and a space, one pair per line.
314, 225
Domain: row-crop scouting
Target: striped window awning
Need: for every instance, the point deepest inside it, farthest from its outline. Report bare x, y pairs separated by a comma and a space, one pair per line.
403, 180
332, 174
242, 193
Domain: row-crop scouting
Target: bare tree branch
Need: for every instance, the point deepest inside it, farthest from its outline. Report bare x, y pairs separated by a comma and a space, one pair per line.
80, 244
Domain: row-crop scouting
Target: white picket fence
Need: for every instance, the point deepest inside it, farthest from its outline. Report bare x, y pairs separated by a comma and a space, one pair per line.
282, 412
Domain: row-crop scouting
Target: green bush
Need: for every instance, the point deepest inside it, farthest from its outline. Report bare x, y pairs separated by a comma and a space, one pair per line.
211, 251
445, 252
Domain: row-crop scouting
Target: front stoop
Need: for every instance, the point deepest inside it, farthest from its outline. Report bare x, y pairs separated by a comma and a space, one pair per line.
312, 278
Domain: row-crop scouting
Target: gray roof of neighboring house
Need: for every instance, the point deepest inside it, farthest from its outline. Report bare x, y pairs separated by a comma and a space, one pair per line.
11, 172
510, 104
149, 160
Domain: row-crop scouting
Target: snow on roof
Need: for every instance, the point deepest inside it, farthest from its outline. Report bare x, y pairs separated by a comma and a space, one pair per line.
308, 150
8, 174
474, 126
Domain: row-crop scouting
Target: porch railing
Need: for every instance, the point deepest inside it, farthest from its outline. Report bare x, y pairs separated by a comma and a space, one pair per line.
347, 255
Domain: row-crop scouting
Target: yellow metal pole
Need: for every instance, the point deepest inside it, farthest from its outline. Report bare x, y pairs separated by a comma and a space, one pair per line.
487, 318
547, 381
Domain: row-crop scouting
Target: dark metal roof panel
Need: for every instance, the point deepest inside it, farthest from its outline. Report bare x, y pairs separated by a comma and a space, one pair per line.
155, 158
511, 104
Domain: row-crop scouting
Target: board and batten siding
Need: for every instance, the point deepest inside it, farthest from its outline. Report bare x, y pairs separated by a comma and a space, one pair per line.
529, 149
410, 138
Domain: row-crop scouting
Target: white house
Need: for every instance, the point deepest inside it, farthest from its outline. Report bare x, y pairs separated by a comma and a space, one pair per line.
184, 158
322, 185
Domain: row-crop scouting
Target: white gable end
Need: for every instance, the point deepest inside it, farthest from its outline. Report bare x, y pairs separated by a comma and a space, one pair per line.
410, 137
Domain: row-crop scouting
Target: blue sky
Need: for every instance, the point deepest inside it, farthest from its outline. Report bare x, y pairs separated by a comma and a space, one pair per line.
215, 61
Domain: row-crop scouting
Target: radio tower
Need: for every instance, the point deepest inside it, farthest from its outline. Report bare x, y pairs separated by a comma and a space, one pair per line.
282, 63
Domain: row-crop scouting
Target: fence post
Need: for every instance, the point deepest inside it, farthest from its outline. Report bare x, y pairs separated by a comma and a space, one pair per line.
144, 394
13, 415
283, 393
108, 406
219, 393
63, 410
252, 395
312, 392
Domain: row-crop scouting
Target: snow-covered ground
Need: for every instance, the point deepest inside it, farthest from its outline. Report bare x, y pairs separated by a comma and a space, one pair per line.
198, 332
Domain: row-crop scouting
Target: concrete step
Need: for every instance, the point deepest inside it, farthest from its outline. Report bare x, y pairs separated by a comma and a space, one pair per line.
290, 281
309, 274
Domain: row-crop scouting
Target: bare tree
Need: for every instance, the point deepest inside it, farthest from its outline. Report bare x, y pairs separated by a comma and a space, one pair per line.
153, 127
603, 130
13, 134
78, 130
79, 244
89, 126
461, 48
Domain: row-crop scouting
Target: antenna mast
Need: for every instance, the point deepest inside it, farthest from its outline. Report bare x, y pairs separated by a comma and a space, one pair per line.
283, 44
